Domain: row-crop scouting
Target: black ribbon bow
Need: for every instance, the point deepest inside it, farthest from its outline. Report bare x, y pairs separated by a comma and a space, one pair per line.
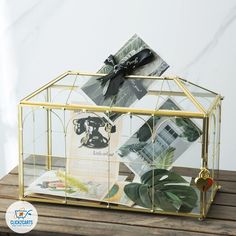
112, 81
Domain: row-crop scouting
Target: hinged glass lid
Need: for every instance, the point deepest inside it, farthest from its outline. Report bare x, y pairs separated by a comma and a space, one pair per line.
137, 94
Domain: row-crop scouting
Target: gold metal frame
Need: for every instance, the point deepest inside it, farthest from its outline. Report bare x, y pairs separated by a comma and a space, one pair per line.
201, 113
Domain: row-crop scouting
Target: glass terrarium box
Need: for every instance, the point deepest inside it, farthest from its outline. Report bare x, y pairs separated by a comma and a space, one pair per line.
153, 151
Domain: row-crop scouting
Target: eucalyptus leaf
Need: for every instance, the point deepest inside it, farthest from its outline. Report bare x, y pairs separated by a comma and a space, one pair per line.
160, 188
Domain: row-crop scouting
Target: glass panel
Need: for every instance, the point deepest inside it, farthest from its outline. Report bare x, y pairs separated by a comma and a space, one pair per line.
213, 153
135, 154
34, 130
131, 91
41, 180
174, 139
40, 97
160, 92
203, 96
218, 131
155, 150
168, 89
58, 138
89, 148
71, 81
68, 90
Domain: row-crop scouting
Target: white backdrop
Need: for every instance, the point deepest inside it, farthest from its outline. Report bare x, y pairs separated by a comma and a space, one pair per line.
40, 39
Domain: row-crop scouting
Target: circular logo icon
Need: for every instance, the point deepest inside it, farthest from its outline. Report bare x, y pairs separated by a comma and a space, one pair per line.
21, 217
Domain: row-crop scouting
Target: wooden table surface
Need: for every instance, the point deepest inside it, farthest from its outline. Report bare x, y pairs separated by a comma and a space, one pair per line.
72, 220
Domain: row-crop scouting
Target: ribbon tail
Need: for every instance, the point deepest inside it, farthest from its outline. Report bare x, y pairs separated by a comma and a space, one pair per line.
112, 86
106, 78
